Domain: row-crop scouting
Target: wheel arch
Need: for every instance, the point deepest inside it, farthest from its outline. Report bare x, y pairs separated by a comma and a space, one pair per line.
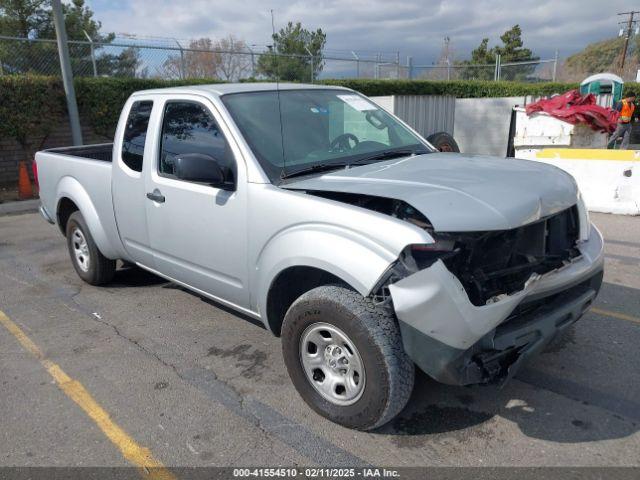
289, 285
303, 258
73, 197
64, 210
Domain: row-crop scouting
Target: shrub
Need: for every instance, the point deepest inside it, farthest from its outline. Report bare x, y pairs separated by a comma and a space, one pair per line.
29, 108
30, 105
456, 88
100, 100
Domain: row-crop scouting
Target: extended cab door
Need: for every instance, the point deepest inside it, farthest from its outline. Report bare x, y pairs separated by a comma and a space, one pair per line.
198, 232
133, 152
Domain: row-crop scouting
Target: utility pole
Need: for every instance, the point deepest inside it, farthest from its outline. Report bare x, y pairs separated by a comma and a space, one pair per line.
630, 22
67, 75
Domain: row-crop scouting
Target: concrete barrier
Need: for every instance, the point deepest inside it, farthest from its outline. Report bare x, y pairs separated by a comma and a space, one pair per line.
608, 179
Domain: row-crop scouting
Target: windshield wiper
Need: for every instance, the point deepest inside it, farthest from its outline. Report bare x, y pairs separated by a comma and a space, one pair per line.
319, 167
388, 155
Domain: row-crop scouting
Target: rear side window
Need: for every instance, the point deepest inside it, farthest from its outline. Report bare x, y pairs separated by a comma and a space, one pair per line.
188, 127
135, 134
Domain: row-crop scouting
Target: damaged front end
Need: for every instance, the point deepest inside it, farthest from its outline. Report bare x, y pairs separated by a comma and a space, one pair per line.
491, 265
467, 303
472, 306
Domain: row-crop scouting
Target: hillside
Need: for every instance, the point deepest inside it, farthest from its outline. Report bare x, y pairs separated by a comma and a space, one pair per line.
599, 57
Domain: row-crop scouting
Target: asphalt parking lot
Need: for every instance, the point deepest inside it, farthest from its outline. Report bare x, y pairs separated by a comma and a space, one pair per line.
198, 385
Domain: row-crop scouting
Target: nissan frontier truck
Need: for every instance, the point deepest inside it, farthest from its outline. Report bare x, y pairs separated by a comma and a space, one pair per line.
332, 222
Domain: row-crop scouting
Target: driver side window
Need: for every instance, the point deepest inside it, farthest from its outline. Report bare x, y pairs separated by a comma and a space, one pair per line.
187, 128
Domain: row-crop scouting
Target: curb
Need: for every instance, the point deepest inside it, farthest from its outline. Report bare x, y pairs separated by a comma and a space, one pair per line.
17, 208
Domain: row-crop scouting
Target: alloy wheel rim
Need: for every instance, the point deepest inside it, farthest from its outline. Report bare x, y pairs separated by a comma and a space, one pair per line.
332, 364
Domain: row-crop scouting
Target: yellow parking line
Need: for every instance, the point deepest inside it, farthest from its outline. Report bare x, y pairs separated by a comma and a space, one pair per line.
134, 453
619, 316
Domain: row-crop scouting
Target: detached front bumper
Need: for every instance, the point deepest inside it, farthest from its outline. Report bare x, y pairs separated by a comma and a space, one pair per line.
459, 343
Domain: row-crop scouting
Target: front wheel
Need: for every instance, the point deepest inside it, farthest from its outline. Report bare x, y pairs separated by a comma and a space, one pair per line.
89, 263
345, 357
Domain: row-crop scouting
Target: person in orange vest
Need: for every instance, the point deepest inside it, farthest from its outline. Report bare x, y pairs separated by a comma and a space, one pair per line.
626, 107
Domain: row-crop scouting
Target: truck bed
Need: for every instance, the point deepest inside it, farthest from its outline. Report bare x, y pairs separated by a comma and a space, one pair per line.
101, 151
83, 176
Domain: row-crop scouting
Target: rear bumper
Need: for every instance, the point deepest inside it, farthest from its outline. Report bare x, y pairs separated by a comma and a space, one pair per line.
46, 215
459, 343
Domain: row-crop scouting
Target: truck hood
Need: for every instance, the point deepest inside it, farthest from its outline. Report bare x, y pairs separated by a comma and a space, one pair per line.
456, 192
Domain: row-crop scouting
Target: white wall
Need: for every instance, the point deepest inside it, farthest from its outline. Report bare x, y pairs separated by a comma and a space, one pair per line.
426, 114
481, 125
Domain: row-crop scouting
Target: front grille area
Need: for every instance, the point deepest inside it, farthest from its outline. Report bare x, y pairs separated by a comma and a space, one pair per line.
491, 264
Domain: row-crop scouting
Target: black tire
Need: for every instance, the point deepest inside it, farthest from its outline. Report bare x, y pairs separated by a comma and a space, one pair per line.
99, 270
376, 336
443, 142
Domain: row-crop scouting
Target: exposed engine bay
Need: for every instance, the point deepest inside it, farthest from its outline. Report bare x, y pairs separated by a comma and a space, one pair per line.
488, 264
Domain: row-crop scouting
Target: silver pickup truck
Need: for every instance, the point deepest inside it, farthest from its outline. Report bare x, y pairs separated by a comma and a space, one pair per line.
336, 225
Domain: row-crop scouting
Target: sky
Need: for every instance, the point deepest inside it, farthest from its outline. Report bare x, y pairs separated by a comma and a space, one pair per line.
412, 27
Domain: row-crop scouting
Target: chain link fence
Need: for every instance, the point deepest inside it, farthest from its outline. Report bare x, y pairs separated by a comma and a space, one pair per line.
532, 71
130, 58
171, 59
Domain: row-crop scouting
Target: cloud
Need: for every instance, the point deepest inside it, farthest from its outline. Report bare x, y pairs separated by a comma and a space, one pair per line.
415, 28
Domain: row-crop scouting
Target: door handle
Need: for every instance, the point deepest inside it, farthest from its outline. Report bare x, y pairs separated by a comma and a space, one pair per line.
156, 196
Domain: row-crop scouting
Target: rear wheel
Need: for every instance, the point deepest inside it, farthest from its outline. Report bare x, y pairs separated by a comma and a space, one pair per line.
89, 263
345, 357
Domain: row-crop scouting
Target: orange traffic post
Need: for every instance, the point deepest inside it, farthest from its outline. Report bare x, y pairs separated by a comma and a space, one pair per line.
25, 189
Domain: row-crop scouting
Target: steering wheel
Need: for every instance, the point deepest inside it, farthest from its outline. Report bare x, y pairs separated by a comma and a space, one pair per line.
342, 143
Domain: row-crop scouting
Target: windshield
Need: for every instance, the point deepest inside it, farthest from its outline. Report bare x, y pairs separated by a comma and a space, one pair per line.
320, 129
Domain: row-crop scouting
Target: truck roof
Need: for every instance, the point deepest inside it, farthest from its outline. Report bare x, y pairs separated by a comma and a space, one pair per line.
219, 89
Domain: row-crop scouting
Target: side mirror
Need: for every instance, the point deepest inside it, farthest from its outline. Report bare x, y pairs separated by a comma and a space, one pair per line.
199, 167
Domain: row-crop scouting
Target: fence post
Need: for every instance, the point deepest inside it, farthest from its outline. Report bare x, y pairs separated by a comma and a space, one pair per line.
253, 63
182, 67
357, 63
67, 74
93, 54
310, 60
555, 65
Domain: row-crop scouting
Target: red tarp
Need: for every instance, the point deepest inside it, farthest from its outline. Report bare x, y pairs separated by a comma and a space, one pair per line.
574, 108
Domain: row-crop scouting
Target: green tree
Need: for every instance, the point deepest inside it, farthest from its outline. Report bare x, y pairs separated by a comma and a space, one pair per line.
480, 66
78, 18
289, 57
22, 18
33, 19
